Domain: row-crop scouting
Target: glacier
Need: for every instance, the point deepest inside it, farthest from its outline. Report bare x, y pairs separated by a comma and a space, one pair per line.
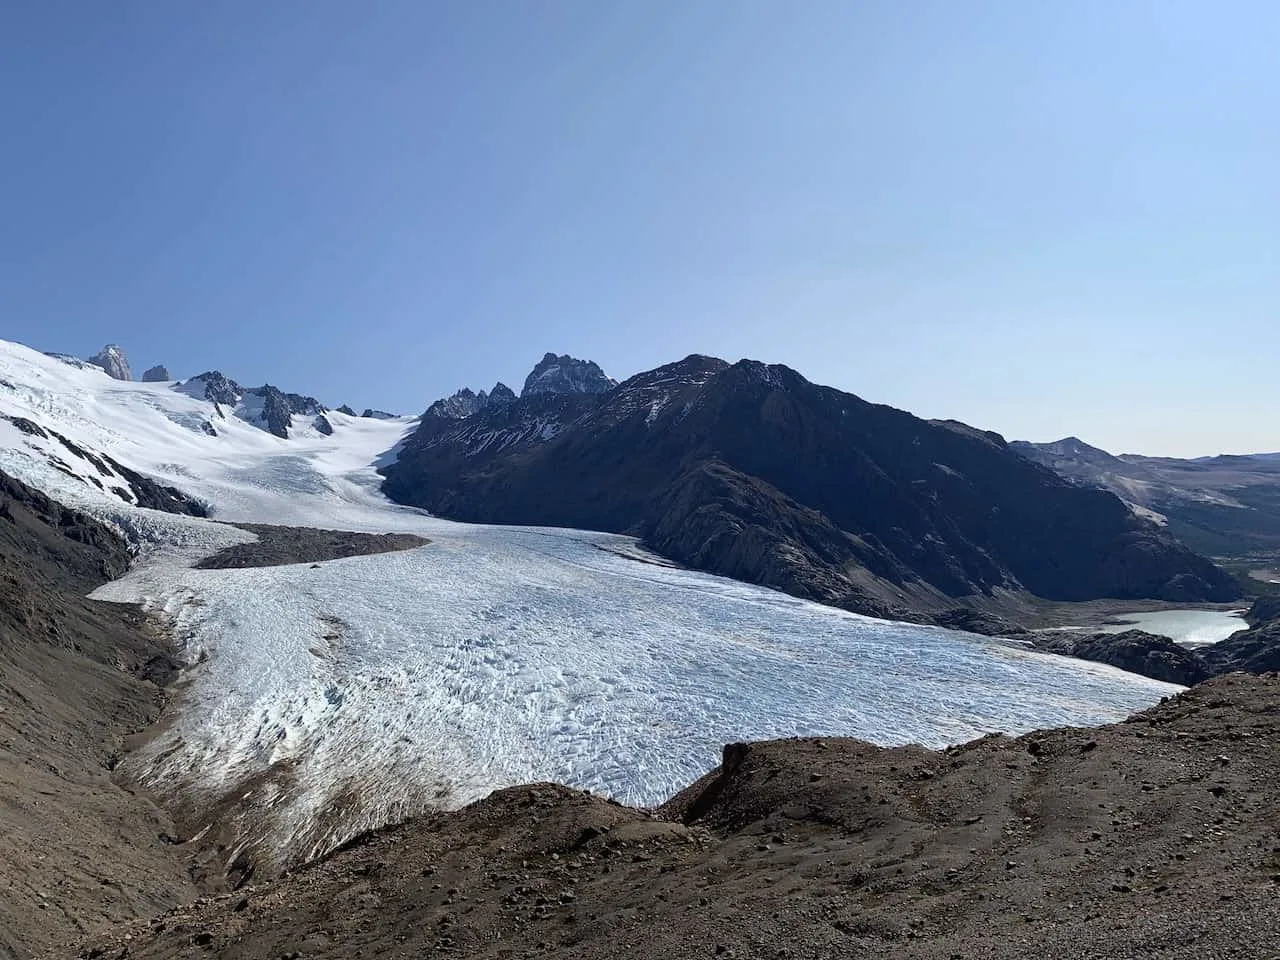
319, 701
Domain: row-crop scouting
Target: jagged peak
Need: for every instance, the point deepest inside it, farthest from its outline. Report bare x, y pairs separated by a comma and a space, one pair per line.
561, 373
112, 359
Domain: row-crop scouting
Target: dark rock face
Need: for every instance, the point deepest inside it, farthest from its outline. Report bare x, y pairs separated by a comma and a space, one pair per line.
1263, 610
157, 374
323, 425
80, 551
462, 404
1138, 652
377, 414
1256, 650
564, 374
111, 358
146, 492
28, 427
466, 403
275, 411
347, 410
751, 471
158, 496
216, 387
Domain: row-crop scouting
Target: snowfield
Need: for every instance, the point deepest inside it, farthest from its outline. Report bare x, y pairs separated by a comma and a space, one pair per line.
323, 700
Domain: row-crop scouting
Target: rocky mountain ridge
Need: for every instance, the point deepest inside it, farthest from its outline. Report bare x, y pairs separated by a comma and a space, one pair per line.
751, 471
266, 406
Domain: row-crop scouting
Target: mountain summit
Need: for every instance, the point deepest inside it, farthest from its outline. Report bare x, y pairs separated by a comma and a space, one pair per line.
564, 374
111, 358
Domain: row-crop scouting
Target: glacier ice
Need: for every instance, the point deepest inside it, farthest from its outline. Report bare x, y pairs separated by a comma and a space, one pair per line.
321, 701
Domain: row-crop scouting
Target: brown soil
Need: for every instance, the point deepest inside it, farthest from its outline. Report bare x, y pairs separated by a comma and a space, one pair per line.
1159, 836
277, 546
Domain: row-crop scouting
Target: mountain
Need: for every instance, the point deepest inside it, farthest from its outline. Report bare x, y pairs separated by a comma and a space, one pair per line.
112, 359
464, 403
157, 374
265, 406
1224, 506
564, 374
751, 471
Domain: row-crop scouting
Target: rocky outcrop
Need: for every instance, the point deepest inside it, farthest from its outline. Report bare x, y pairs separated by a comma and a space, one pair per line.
159, 496
346, 409
157, 374
275, 411
1133, 650
751, 471
373, 414
466, 403
323, 425
266, 406
563, 374
215, 387
111, 358
463, 403
1256, 650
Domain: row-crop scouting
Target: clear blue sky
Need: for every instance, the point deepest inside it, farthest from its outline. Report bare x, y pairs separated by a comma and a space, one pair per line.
1044, 218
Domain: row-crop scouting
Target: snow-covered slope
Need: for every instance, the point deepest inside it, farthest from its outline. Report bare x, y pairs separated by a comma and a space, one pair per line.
322, 700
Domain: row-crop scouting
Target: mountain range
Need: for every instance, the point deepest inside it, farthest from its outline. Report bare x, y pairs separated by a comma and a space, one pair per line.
751, 471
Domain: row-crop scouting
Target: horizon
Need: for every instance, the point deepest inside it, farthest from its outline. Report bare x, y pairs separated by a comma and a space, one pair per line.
517, 382
1045, 223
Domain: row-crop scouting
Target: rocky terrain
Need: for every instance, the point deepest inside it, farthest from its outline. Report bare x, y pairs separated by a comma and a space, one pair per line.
266, 406
1255, 650
1222, 506
753, 472
281, 545
1133, 650
77, 678
1155, 837
106, 473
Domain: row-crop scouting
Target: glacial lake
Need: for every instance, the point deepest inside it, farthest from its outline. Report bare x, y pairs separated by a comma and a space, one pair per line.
1191, 628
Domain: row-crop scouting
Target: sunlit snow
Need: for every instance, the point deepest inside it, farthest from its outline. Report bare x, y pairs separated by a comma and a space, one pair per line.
332, 698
